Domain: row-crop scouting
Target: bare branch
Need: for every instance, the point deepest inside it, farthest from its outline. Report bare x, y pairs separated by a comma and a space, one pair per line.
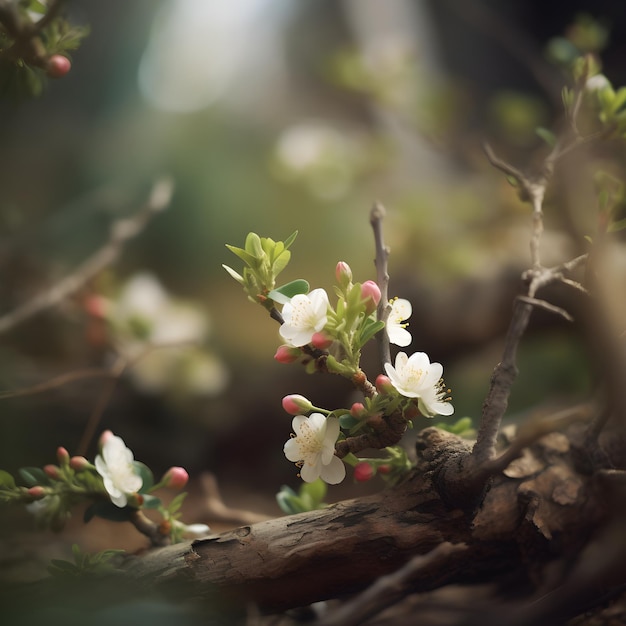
377, 215
502, 379
391, 588
121, 231
215, 510
547, 306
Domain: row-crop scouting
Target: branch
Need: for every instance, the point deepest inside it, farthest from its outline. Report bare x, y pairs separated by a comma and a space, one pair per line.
121, 232
437, 564
377, 215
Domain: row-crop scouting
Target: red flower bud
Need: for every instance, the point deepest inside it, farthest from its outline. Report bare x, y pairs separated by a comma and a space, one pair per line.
343, 274
384, 385
58, 66
96, 306
175, 477
384, 469
370, 293
363, 472
63, 456
357, 410
295, 404
38, 492
287, 354
79, 463
51, 470
321, 341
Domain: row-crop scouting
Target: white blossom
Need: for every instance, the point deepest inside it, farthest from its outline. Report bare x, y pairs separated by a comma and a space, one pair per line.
304, 315
313, 448
115, 465
396, 331
417, 377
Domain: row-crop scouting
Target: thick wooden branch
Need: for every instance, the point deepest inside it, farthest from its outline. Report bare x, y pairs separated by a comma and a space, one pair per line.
538, 510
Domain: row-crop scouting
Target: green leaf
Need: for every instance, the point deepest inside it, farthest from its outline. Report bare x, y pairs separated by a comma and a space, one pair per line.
33, 476
286, 292
547, 135
6, 480
146, 476
619, 101
150, 502
281, 262
288, 503
234, 274
287, 243
174, 506
315, 490
369, 330
244, 256
347, 421
253, 246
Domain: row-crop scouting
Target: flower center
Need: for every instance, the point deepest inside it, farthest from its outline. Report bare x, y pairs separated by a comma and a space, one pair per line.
308, 443
414, 376
301, 314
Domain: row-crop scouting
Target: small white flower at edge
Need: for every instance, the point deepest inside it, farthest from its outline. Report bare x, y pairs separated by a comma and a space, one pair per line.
417, 377
396, 331
115, 465
304, 315
313, 448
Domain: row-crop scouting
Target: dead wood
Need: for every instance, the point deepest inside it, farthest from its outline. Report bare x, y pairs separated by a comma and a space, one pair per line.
531, 524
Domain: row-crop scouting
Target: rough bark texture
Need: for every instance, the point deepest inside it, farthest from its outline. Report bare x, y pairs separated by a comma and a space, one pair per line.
531, 523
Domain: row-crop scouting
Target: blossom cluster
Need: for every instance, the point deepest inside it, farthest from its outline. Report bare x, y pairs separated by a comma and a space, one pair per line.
116, 485
330, 337
310, 321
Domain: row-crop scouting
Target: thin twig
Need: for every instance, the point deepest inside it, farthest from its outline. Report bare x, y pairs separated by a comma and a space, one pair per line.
547, 306
121, 231
497, 400
103, 400
389, 589
215, 510
377, 215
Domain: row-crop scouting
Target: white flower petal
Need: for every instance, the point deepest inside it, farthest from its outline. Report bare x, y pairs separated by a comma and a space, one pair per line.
334, 472
314, 447
115, 466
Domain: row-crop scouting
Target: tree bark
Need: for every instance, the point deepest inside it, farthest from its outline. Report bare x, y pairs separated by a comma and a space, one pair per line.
541, 510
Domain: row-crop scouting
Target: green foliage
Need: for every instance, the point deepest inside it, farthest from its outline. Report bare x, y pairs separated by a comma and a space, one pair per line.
310, 497
265, 259
97, 564
463, 427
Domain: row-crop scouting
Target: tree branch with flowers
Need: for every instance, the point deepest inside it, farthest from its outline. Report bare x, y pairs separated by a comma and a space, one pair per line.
327, 338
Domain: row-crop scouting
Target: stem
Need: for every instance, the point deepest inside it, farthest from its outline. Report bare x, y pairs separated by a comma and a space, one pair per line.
377, 215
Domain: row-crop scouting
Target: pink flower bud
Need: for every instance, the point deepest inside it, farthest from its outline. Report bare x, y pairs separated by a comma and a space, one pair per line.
343, 274
175, 477
357, 410
287, 354
370, 293
96, 306
52, 471
63, 456
79, 463
104, 437
363, 472
384, 385
295, 404
37, 492
58, 66
321, 341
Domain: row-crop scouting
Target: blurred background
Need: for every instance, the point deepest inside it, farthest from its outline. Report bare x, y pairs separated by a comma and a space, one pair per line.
273, 116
